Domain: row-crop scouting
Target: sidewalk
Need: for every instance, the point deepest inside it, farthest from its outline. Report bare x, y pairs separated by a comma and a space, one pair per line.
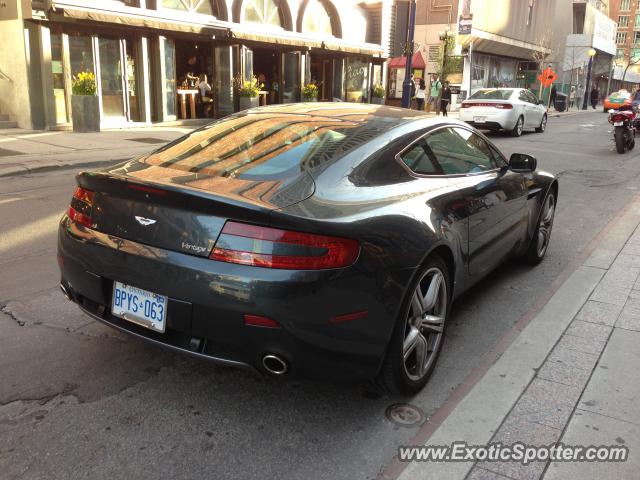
569, 374
24, 151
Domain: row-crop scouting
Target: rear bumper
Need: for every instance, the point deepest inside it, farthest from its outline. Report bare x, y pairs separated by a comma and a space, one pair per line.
208, 300
501, 120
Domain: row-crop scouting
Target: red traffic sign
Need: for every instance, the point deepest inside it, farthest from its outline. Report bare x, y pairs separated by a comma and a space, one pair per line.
547, 77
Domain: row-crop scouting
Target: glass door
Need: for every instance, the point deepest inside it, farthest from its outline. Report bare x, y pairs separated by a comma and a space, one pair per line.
168, 75
223, 80
57, 71
290, 77
133, 97
111, 79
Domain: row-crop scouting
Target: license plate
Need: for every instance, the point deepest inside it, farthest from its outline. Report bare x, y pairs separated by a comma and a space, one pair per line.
139, 306
479, 119
618, 124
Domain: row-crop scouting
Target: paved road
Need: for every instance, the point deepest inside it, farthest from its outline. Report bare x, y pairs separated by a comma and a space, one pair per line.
80, 400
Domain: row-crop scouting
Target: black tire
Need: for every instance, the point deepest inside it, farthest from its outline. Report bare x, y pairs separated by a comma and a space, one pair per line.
536, 252
621, 142
543, 124
519, 127
395, 376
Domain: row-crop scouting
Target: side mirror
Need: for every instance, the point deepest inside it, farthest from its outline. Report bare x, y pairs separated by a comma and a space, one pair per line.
523, 163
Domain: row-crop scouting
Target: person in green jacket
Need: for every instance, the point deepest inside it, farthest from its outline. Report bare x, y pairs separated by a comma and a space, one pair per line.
434, 94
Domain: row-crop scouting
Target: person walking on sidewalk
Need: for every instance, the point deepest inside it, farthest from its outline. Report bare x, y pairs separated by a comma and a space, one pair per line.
421, 92
445, 98
552, 96
434, 95
580, 96
595, 96
572, 96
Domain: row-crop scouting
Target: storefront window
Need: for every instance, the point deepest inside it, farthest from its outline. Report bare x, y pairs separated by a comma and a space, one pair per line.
111, 77
80, 55
261, 11
356, 80
338, 84
316, 19
195, 6
58, 78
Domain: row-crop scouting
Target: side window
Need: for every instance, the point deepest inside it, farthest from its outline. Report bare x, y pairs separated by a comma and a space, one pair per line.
420, 159
532, 98
523, 97
460, 151
501, 161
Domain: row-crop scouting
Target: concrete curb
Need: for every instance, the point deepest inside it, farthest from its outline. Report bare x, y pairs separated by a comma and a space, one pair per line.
51, 167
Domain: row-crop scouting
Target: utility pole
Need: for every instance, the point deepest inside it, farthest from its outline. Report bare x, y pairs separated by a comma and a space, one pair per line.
406, 85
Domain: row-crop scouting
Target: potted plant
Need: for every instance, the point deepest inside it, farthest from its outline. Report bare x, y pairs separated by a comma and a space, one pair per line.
310, 93
248, 92
84, 103
378, 95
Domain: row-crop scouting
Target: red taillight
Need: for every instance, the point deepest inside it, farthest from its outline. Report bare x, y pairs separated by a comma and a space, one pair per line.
81, 207
258, 321
144, 188
274, 248
503, 106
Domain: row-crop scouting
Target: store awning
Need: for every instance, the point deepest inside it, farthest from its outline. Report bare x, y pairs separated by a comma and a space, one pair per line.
274, 37
365, 49
417, 61
133, 17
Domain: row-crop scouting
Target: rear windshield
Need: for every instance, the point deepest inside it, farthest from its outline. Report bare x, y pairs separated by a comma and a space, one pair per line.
266, 146
492, 94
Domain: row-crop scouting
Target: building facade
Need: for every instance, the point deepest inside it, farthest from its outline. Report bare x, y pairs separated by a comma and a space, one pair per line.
626, 14
148, 55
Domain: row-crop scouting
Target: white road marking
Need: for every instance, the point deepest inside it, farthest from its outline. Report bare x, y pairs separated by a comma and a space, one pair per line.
9, 200
29, 135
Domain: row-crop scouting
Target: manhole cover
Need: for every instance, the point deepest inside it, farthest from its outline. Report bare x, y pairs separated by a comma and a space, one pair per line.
147, 140
404, 414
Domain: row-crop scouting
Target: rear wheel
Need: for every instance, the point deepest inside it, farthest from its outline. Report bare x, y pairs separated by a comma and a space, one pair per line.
621, 142
419, 333
517, 130
543, 124
540, 240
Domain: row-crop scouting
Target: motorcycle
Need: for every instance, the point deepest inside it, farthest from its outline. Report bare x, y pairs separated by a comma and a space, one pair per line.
624, 121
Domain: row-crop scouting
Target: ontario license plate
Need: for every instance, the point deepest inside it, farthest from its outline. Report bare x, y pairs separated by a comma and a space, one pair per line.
479, 119
139, 306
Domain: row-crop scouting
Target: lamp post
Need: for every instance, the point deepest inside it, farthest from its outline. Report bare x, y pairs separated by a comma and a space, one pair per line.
406, 85
587, 92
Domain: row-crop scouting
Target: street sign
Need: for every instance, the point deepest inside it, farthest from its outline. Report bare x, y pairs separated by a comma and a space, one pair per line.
547, 77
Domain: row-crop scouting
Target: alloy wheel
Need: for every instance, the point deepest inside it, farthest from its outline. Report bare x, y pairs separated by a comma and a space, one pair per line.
546, 224
543, 124
424, 328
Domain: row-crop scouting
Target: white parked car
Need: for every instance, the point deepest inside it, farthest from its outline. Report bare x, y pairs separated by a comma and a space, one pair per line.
511, 109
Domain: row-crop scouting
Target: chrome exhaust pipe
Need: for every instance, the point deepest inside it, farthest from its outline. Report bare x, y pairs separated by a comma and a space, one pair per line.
65, 292
274, 364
